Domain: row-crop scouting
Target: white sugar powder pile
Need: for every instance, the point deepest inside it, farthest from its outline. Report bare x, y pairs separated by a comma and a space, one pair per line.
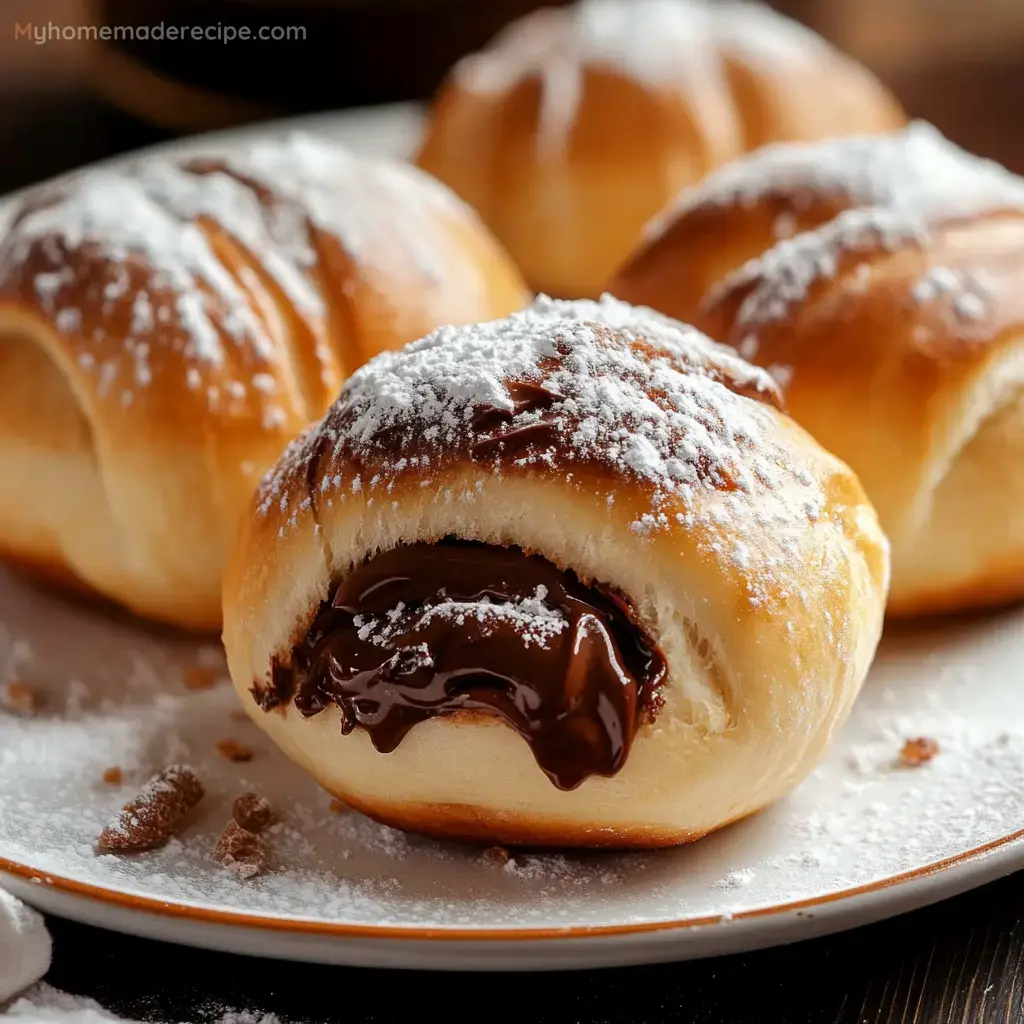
25, 947
48, 1005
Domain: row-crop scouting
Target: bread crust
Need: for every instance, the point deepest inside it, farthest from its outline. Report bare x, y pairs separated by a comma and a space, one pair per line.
575, 126
903, 352
761, 580
168, 327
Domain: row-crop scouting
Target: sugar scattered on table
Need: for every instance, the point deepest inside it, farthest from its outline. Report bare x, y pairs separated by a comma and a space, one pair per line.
44, 1004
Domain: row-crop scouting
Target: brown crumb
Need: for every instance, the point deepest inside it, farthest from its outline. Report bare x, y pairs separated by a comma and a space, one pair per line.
233, 750
338, 806
20, 698
918, 751
113, 776
497, 855
240, 851
199, 677
152, 818
252, 812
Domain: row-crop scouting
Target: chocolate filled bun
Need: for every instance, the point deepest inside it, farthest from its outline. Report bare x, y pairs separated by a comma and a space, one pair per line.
569, 578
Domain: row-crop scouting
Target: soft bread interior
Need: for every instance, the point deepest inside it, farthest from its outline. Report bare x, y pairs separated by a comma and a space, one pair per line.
78, 487
51, 472
969, 542
754, 694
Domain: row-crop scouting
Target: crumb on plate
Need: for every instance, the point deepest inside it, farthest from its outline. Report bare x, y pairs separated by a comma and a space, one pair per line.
917, 751
233, 750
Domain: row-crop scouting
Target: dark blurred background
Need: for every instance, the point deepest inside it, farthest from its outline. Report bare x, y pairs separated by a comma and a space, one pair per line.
957, 63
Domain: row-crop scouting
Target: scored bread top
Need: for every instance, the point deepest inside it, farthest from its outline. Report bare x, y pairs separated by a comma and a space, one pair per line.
915, 170
596, 391
208, 273
842, 200
654, 43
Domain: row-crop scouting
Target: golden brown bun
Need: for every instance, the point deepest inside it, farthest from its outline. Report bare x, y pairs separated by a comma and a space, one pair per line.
167, 328
578, 124
881, 281
751, 557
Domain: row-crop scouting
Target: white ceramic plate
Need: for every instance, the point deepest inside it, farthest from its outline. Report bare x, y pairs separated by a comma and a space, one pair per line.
860, 840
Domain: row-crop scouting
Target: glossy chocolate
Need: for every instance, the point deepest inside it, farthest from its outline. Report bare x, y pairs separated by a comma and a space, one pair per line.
431, 629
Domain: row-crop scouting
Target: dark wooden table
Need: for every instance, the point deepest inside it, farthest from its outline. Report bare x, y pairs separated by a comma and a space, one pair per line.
960, 961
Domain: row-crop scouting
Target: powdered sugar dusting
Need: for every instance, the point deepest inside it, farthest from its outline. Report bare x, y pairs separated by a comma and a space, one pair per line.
116, 695
44, 1004
784, 275
915, 170
353, 199
968, 293
534, 621
652, 41
896, 189
760, 35
636, 395
656, 43
125, 212
737, 879
146, 238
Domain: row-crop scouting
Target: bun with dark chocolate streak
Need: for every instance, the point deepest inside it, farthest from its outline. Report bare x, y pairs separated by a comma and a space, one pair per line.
568, 578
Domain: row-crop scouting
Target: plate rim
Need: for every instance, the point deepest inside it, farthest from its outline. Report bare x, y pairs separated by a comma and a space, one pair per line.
314, 927
132, 903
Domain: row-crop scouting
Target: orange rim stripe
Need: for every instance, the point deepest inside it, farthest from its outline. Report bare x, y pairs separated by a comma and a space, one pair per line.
240, 919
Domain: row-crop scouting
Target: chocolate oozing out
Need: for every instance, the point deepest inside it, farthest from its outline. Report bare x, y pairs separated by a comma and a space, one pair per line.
431, 629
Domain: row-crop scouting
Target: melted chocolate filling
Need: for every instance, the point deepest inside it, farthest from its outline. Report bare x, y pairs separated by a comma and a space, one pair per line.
431, 629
